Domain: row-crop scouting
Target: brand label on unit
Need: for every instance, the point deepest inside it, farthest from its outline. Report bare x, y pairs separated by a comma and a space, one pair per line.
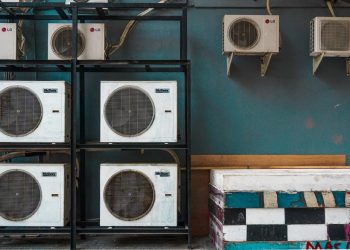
49, 174
4, 29
92, 29
267, 21
48, 91
163, 173
161, 91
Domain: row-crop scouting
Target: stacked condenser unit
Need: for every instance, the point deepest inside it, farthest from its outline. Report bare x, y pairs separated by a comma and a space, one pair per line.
138, 194
40, 125
34, 194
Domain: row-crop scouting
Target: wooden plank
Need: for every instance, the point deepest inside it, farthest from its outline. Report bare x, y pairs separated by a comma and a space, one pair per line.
200, 179
200, 197
215, 161
270, 167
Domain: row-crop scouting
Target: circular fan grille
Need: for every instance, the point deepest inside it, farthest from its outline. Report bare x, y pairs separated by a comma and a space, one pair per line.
335, 36
244, 34
129, 195
20, 111
129, 111
62, 42
20, 195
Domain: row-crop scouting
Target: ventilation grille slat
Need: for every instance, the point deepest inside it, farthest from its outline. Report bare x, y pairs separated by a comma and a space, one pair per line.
20, 195
61, 42
335, 35
129, 111
244, 33
20, 111
129, 195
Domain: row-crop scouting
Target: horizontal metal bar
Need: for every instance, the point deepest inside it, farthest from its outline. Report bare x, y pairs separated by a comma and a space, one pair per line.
133, 70
123, 6
91, 69
35, 62
91, 17
35, 17
129, 17
106, 146
36, 5
34, 230
134, 231
81, 6
95, 66
33, 146
133, 62
32, 69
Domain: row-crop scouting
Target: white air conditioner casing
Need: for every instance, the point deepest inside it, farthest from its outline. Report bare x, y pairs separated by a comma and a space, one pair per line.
254, 34
92, 37
86, 1
141, 206
8, 38
330, 36
45, 188
39, 111
144, 111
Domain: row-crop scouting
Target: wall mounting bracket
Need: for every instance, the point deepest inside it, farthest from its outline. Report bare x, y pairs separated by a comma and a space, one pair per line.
316, 62
264, 63
318, 59
229, 63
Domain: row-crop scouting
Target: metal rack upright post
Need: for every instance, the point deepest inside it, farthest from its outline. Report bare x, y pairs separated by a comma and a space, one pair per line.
78, 68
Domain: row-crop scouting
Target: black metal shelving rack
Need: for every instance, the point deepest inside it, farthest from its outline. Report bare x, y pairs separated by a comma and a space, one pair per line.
82, 12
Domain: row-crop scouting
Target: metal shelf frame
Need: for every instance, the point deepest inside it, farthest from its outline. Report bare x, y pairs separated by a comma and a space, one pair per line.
81, 12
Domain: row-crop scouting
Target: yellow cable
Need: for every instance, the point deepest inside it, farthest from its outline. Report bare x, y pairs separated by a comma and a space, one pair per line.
330, 7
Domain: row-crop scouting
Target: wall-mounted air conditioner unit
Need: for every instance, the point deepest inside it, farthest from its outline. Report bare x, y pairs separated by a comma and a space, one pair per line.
139, 111
34, 195
329, 37
34, 111
251, 35
138, 195
90, 41
8, 38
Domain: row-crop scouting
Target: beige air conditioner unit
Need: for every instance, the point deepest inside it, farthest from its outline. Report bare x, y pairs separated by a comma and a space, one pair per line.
251, 35
329, 37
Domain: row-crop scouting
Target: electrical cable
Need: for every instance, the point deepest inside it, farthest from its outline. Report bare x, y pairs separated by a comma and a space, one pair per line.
330, 7
111, 49
268, 8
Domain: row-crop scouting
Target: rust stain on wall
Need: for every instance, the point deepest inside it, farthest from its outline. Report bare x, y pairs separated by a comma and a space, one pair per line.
309, 123
337, 139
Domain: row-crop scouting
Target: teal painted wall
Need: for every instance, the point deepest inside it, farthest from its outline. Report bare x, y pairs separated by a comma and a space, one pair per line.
289, 111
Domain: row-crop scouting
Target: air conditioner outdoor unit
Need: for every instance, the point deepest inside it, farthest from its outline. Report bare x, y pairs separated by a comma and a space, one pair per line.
330, 36
34, 195
86, 1
8, 38
34, 111
138, 195
138, 111
90, 41
250, 34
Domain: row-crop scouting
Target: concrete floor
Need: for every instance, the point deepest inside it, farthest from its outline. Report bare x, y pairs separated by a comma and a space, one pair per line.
107, 242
